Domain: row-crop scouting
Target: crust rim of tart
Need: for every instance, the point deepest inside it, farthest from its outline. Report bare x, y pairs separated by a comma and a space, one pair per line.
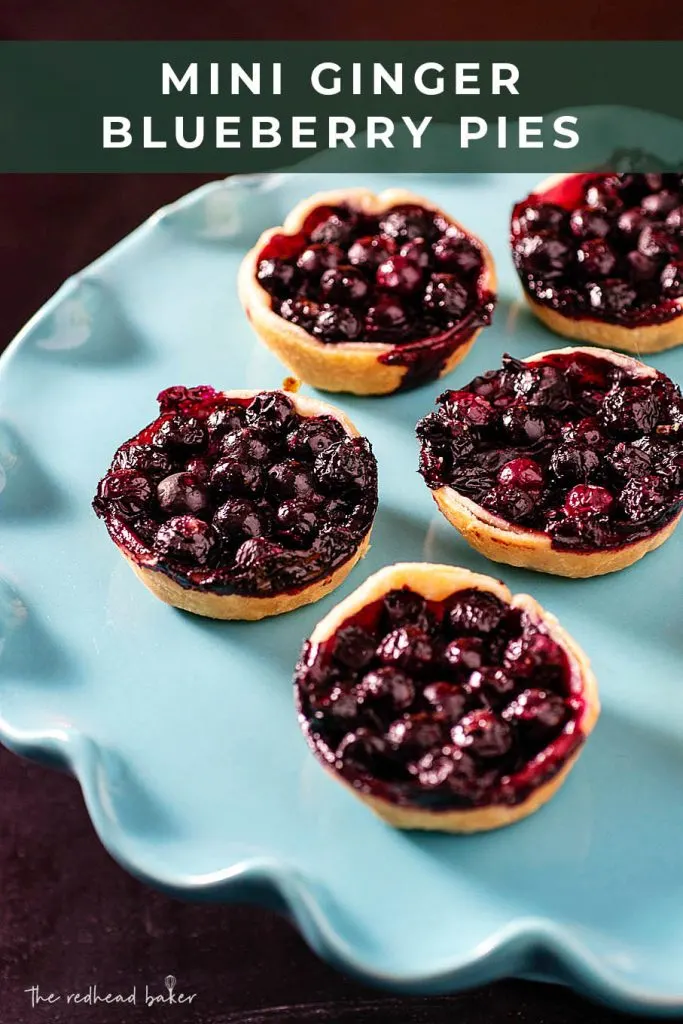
347, 366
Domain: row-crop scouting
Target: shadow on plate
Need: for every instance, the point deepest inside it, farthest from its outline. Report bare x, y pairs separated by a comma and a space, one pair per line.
89, 328
28, 649
27, 492
591, 837
127, 802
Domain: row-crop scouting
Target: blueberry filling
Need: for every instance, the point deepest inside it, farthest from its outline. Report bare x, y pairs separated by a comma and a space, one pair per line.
407, 278
604, 246
572, 445
239, 495
441, 705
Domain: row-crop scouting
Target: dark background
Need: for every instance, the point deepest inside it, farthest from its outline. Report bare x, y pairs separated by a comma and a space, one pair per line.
69, 917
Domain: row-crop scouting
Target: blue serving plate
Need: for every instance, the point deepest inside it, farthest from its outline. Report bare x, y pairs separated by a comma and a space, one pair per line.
182, 731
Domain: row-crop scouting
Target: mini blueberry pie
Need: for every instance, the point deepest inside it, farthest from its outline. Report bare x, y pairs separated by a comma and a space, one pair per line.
568, 462
443, 701
600, 257
241, 504
368, 293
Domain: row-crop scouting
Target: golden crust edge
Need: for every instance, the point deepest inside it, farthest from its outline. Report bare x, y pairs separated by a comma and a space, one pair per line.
349, 367
436, 582
235, 606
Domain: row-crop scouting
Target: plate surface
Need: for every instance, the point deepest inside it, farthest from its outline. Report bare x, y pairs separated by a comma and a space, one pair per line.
182, 731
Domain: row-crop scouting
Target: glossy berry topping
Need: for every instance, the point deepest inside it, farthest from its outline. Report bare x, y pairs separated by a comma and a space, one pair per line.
407, 279
450, 704
562, 445
239, 495
609, 249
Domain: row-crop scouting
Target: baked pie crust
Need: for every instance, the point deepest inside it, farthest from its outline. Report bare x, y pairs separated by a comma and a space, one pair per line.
639, 339
148, 566
437, 583
352, 366
503, 541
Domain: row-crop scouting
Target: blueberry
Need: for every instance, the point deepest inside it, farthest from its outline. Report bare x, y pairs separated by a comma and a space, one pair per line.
399, 274
533, 650
298, 522
314, 435
645, 498
354, 647
386, 687
368, 252
181, 493
494, 685
125, 491
300, 311
238, 479
572, 462
446, 296
524, 424
628, 461
187, 539
239, 519
225, 420
291, 479
456, 254
180, 433
587, 222
336, 323
343, 284
630, 411
465, 654
640, 267
611, 296
407, 647
656, 242
418, 252
416, 734
403, 607
277, 276
316, 259
346, 464
144, 458
475, 612
595, 258
536, 711
247, 445
449, 699
360, 749
271, 410
408, 221
335, 229
660, 204
483, 734
387, 319
672, 280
